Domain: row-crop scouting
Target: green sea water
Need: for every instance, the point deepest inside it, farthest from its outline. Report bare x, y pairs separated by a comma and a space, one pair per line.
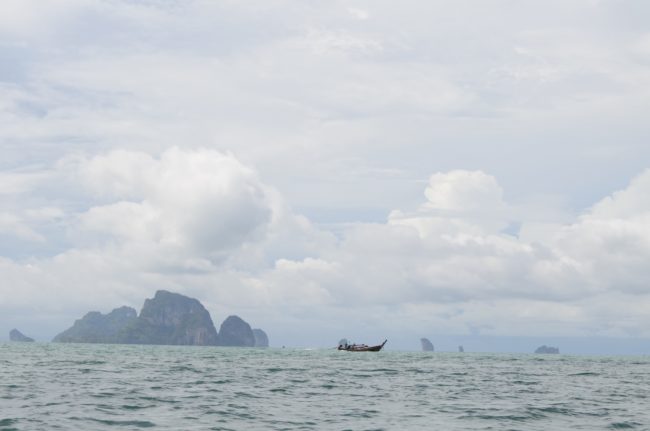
102, 387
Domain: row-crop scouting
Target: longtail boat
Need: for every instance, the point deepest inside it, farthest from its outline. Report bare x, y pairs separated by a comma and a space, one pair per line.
361, 347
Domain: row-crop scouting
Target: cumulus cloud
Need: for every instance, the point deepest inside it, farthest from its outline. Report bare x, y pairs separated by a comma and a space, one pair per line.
447, 263
611, 242
203, 223
458, 201
152, 220
200, 203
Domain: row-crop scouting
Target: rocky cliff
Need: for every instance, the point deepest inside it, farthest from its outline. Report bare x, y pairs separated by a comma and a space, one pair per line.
427, 346
96, 327
235, 332
16, 335
171, 318
261, 339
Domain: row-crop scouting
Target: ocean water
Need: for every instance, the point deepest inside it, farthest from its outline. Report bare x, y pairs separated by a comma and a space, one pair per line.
102, 387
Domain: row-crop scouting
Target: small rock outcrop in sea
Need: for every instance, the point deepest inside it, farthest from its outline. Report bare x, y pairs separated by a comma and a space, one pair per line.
547, 350
236, 332
16, 335
261, 339
171, 318
461, 349
96, 327
427, 346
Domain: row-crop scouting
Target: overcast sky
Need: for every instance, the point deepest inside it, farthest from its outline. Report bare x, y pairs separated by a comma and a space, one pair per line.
329, 168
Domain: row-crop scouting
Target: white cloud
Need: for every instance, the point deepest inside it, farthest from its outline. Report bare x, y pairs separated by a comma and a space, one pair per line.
458, 201
629, 203
14, 226
463, 190
200, 203
499, 282
12, 183
201, 222
359, 14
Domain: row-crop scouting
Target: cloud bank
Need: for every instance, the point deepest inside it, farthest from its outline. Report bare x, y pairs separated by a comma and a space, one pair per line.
202, 223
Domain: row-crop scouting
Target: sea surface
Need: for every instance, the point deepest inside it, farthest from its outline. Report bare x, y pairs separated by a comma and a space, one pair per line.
117, 387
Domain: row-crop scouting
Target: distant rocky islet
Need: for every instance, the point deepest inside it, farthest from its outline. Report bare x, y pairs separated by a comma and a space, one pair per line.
427, 345
17, 336
261, 339
167, 318
547, 350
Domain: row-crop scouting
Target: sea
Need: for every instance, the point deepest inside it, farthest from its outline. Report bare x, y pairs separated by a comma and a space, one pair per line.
45, 386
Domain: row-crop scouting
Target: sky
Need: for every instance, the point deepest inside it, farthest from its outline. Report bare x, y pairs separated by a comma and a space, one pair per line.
327, 169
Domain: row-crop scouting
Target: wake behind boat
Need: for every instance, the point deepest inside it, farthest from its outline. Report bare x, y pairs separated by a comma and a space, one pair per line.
361, 347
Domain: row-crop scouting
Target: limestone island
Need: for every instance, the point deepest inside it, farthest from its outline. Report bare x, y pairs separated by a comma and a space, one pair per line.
167, 318
16, 335
261, 339
427, 346
547, 350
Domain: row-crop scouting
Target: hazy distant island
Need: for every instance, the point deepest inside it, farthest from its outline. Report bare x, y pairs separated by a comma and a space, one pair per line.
261, 339
547, 350
427, 346
16, 335
235, 332
167, 318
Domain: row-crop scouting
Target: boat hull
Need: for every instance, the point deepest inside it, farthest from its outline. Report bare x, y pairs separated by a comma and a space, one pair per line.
362, 348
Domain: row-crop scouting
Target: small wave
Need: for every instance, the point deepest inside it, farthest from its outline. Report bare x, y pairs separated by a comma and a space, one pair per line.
524, 382
7, 422
245, 395
381, 370
552, 409
363, 376
158, 400
512, 417
357, 413
184, 368
623, 425
103, 395
139, 424
136, 407
90, 362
